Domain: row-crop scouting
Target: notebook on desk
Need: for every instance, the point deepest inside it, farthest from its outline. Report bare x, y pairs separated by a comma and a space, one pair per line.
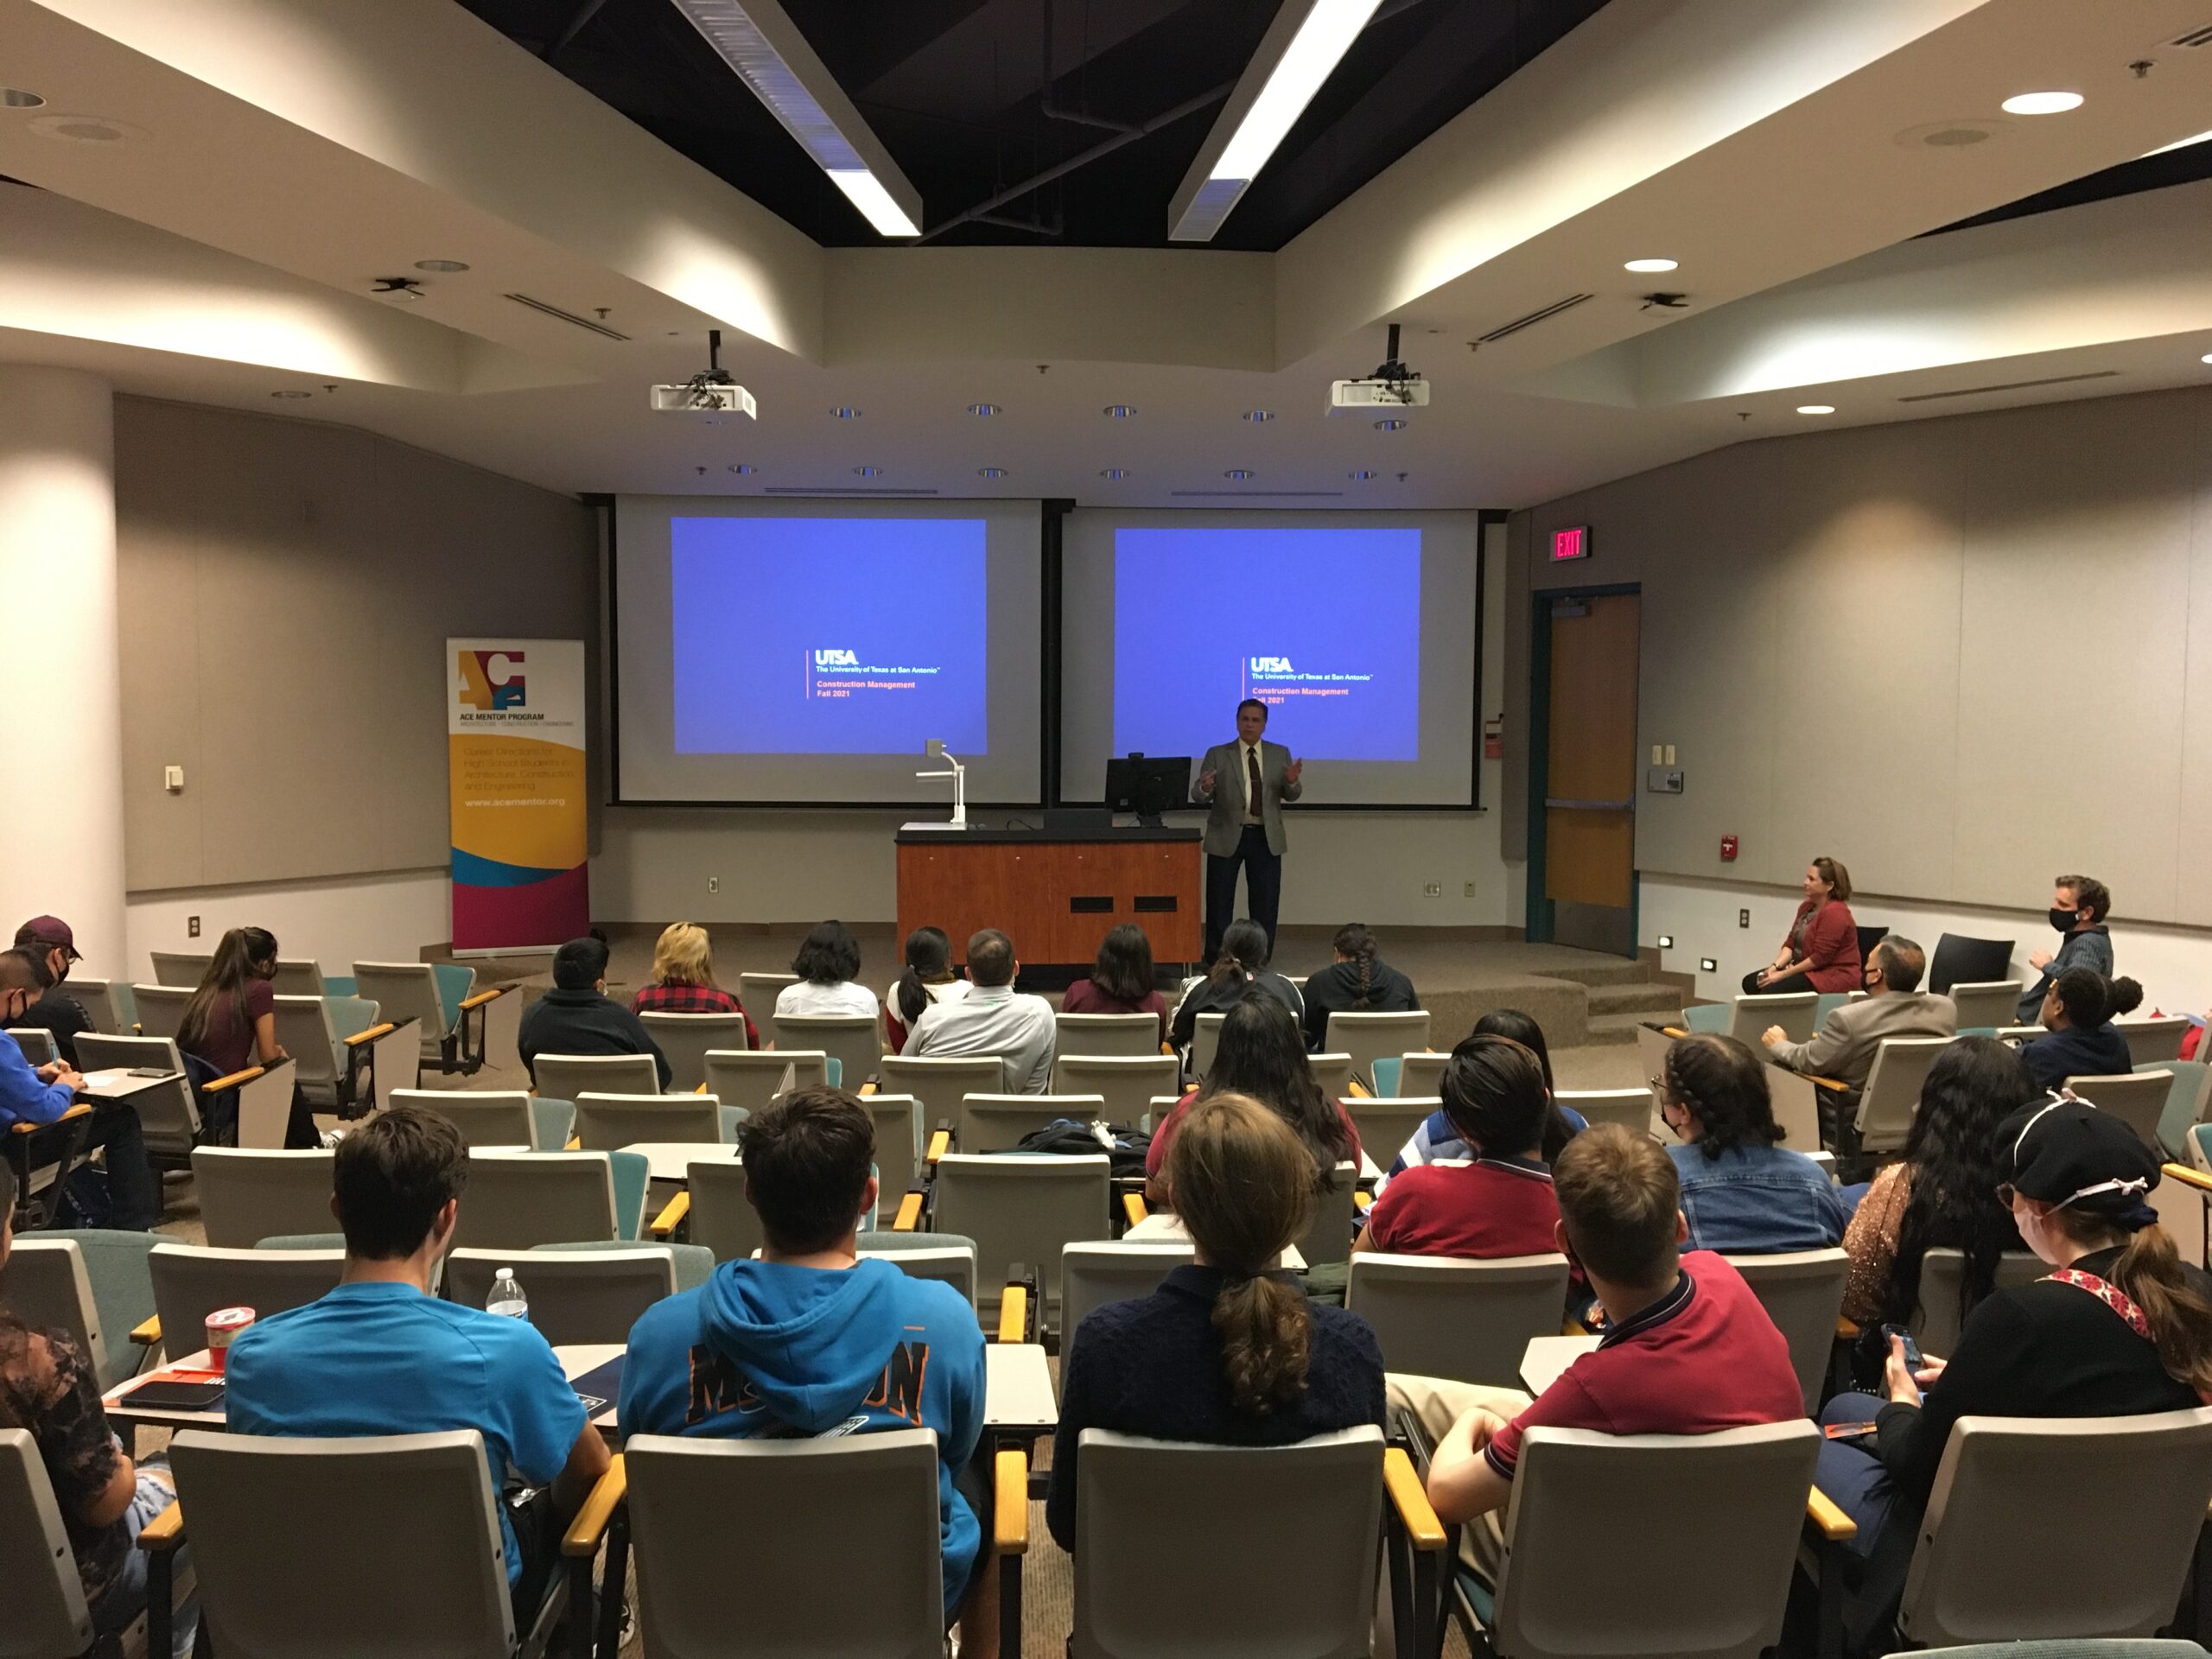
600, 1386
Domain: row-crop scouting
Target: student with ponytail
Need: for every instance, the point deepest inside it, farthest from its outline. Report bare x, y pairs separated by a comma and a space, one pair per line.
1228, 1351
930, 977
1357, 981
2077, 1012
2120, 1327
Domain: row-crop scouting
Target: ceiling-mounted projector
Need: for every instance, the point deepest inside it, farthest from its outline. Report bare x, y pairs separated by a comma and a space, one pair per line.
1393, 385
713, 391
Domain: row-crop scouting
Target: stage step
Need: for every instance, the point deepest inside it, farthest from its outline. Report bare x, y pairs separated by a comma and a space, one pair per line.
1607, 1028
1641, 997
1595, 970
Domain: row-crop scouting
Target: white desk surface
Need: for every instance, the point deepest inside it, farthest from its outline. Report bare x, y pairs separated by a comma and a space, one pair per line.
575, 1363
672, 1161
1165, 1226
1548, 1356
1017, 1388
116, 1083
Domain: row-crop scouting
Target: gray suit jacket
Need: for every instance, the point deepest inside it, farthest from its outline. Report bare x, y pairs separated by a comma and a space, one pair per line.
1844, 1046
1225, 823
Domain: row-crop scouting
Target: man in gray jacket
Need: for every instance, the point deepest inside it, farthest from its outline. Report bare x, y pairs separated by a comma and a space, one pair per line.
1245, 784
2078, 907
1845, 1046
992, 1019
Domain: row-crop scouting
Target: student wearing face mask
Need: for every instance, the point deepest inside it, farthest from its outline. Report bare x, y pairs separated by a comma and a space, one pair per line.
2120, 1326
2079, 905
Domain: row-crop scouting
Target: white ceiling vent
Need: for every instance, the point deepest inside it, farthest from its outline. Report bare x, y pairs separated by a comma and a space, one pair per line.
1543, 314
2008, 385
2190, 39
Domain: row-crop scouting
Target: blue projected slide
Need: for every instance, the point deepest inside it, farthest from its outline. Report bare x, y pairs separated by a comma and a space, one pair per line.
829, 636
1323, 626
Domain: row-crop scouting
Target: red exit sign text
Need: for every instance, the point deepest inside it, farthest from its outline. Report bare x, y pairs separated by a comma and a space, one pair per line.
1570, 544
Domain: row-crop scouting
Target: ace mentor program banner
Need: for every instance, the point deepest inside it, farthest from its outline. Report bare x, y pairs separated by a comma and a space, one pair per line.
515, 764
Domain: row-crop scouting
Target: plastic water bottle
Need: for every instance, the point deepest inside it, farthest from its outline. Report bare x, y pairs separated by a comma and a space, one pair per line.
506, 1299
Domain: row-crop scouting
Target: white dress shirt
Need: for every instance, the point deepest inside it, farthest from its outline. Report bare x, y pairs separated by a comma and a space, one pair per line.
1244, 777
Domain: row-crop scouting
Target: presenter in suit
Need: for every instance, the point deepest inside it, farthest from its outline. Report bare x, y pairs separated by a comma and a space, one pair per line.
1245, 784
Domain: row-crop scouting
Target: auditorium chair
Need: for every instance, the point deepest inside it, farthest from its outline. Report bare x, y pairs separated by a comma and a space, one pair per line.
1998, 1552
1829, 1002
264, 1094
1892, 1093
169, 1111
190, 1282
1409, 1075
576, 1296
183, 968
1632, 1109
685, 1038
1107, 1035
1127, 1086
1113, 1270
1332, 1076
758, 992
1645, 1505
1803, 1293
2137, 1098
435, 1582
1021, 1208
1961, 958
160, 1008
1935, 1320
941, 1081
1387, 1123
54, 1281
2153, 1041
1467, 1320
855, 1041
443, 996
298, 976
998, 1122
103, 1002
838, 1538
751, 1078
1183, 1548
1327, 1239
2189, 1103
37, 1044
1205, 1037
1367, 1037
1793, 1011
497, 1117
945, 1257
247, 1195
712, 1212
1868, 938
516, 1200
900, 1129
1985, 1002
569, 1077
43, 1158
610, 1123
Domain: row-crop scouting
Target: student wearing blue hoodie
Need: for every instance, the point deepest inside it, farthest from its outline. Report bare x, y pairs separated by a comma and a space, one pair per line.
810, 1340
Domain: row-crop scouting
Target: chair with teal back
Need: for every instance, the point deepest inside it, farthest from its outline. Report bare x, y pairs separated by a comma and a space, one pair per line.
1714, 1017
2188, 1103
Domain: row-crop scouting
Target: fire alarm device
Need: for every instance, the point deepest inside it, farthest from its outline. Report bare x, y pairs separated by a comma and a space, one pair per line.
1728, 849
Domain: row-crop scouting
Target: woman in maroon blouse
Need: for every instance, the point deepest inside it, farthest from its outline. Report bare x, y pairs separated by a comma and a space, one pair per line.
1822, 950
1120, 980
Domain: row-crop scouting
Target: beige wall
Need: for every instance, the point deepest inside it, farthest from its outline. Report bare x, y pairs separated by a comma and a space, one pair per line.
1955, 653
286, 591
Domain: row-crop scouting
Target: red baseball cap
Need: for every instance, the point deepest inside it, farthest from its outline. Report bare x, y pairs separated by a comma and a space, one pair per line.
50, 931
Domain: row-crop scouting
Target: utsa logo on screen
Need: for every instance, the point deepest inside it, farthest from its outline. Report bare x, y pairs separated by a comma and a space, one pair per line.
1272, 665
492, 680
836, 658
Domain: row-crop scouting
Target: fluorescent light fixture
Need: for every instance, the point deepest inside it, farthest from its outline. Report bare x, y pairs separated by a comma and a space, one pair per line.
2178, 143
2206, 357
2041, 103
757, 39
1305, 43
1817, 408
1649, 267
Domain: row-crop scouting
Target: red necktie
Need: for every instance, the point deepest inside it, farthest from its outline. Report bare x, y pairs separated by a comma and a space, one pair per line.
1252, 782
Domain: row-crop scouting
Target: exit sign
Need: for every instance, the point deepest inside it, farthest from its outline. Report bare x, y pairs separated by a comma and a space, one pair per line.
1570, 544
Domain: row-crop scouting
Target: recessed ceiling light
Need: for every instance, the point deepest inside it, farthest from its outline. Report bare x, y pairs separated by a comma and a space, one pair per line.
983, 409
1362, 475
2041, 103
743, 469
1393, 424
1239, 473
84, 129
1259, 417
846, 413
291, 394
444, 267
1649, 266
2206, 357
1119, 411
15, 98
990, 472
1115, 472
1817, 408
869, 472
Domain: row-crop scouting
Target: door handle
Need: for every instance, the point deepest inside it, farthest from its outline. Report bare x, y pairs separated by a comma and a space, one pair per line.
1592, 806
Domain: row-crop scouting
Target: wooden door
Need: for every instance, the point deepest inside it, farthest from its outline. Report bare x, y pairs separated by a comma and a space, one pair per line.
1590, 773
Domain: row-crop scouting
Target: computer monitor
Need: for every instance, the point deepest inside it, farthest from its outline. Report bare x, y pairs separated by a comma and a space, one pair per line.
1148, 785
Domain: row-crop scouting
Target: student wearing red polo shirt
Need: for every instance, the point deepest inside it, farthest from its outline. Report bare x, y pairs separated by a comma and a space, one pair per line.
1499, 1202
1687, 1349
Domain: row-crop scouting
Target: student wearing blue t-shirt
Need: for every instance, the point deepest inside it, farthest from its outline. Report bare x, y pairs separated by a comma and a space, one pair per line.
381, 1355
810, 1340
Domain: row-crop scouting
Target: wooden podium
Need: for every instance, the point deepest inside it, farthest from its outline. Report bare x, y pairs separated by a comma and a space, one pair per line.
1055, 895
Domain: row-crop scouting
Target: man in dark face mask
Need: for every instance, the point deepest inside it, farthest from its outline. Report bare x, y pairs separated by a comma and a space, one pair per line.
2078, 906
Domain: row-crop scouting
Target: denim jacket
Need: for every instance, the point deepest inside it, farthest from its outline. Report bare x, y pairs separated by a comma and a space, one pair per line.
1758, 1200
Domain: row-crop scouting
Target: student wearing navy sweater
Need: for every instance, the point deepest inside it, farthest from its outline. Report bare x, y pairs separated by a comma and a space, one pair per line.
1227, 1351
2078, 1011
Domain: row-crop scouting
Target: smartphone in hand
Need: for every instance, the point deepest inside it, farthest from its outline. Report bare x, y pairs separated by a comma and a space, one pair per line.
1913, 1360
